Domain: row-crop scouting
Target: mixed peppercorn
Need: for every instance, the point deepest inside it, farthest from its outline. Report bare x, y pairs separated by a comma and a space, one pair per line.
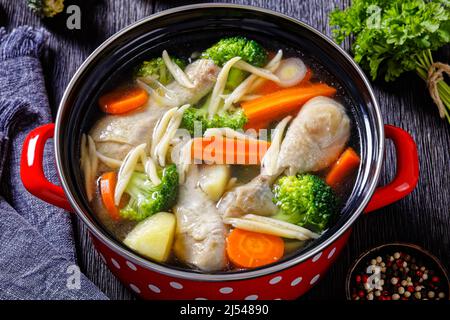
397, 276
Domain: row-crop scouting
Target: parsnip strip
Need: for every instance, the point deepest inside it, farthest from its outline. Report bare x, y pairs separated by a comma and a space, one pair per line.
249, 97
110, 162
160, 130
271, 66
126, 170
260, 72
164, 143
257, 226
155, 96
247, 84
177, 73
282, 224
269, 163
220, 86
114, 163
150, 170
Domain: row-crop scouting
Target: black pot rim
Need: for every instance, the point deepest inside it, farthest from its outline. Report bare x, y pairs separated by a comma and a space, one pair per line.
133, 257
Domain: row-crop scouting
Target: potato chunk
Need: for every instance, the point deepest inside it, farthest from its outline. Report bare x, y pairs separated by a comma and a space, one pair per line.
153, 237
214, 179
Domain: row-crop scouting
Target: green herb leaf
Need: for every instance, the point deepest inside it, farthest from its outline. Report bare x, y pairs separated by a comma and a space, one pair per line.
390, 35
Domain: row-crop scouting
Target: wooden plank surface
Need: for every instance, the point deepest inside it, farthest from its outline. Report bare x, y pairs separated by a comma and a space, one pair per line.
423, 218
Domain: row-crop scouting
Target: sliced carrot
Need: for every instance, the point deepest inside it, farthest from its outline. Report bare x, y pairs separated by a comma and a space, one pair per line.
248, 249
257, 125
107, 188
283, 102
347, 163
123, 100
220, 150
269, 86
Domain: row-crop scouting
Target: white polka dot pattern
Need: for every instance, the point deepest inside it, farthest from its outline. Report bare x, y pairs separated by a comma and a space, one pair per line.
331, 254
317, 257
154, 288
296, 281
115, 263
131, 266
226, 290
176, 285
314, 280
135, 288
252, 297
275, 280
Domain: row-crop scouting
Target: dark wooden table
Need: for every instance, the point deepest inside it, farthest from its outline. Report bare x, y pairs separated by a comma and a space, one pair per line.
422, 218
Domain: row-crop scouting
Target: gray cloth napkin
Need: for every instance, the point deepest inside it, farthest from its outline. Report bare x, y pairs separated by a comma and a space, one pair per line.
37, 252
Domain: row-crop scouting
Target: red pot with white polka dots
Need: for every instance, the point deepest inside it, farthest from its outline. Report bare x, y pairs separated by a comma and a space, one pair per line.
187, 26
288, 283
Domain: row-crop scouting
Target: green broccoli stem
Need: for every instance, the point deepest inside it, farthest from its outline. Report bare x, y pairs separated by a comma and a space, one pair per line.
424, 62
235, 77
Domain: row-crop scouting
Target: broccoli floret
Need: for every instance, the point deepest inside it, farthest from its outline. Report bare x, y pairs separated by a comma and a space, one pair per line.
227, 48
46, 8
157, 69
147, 199
194, 117
305, 200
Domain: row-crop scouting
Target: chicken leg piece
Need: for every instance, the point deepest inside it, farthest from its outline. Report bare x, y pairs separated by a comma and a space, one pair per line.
315, 138
200, 234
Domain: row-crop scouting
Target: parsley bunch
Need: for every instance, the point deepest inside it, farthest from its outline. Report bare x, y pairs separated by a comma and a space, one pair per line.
395, 36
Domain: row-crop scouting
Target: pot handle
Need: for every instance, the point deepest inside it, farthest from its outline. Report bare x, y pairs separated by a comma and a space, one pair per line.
407, 170
32, 172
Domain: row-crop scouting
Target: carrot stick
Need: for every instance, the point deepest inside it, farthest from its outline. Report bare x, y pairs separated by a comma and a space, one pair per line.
220, 150
283, 102
257, 125
123, 100
343, 167
107, 188
248, 249
269, 86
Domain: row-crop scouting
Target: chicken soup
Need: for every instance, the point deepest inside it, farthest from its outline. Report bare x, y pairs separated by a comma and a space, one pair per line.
232, 159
